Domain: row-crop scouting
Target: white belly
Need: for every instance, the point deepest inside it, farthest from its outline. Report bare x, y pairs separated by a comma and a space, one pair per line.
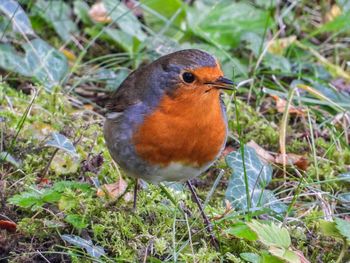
174, 172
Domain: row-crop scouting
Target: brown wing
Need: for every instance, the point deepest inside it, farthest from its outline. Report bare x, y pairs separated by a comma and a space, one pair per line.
128, 93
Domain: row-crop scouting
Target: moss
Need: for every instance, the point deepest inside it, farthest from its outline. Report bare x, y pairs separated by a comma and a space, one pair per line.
254, 127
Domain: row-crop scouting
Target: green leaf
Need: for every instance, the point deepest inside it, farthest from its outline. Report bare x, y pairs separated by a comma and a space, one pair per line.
94, 251
38, 197
250, 257
241, 230
124, 40
76, 221
339, 24
57, 13
160, 16
6, 157
19, 18
259, 175
61, 186
285, 254
226, 21
329, 228
344, 228
81, 10
41, 61
271, 235
344, 198
67, 203
267, 258
61, 142
276, 62
35, 198
345, 177
124, 18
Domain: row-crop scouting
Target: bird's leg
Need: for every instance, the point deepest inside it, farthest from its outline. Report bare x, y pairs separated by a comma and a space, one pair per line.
209, 226
135, 192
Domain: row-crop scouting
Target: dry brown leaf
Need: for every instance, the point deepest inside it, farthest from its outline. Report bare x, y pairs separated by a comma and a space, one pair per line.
8, 225
278, 46
69, 55
281, 105
261, 151
98, 13
228, 149
113, 191
333, 13
293, 159
228, 209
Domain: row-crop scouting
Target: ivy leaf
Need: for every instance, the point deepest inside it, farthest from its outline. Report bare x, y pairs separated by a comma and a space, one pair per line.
250, 257
94, 251
344, 228
259, 175
329, 229
159, 15
57, 13
61, 142
40, 61
226, 21
344, 198
19, 19
81, 10
125, 19
6, 157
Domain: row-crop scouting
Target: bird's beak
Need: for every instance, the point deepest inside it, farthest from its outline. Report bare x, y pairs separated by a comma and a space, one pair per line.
222, 83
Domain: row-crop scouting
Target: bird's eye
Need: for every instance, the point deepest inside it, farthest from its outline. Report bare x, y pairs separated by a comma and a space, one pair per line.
188, 77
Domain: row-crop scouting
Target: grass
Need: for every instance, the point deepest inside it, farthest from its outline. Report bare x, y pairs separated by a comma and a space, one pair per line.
49, 192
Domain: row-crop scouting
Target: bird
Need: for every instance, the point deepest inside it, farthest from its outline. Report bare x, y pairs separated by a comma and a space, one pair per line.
167, 120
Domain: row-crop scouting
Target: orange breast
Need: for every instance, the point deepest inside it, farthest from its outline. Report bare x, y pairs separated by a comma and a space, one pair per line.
188, 128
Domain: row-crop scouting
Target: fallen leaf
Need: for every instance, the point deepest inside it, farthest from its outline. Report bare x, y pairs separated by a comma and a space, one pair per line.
8, 225
228, 209
113, 191
228, 149
44, 182
278, 46
98, 13
69, 55
333, 13
293, 159
263, 154
281, 105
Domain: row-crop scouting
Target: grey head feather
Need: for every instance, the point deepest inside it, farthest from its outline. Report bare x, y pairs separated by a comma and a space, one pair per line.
150, 82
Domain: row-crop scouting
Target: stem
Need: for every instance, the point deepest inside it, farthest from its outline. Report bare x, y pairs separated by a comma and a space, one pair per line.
170, 197
343, 251
208, 224
239, 131
49, 163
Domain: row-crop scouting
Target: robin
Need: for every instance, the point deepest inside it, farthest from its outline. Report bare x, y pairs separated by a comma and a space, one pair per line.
166, 121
